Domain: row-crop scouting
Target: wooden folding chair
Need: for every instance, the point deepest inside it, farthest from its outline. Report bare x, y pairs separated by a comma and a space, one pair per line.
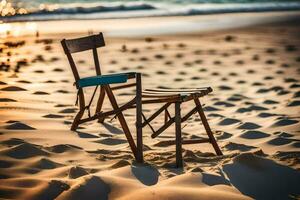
150, 96
103, 83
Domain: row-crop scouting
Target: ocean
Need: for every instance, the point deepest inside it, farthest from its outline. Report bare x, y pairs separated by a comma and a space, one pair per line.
24, 10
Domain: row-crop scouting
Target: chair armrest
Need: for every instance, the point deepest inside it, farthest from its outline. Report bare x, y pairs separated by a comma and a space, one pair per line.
101, 80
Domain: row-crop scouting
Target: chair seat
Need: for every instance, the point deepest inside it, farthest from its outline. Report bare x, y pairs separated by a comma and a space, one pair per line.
103, 79
182, 94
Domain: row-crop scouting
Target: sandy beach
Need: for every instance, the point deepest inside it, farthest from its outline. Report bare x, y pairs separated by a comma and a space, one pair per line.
254, 110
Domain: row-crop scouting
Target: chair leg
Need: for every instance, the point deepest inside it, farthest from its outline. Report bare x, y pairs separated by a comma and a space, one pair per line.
179, 162
76, 120
139, 128
122, 121
100, 103
207, 127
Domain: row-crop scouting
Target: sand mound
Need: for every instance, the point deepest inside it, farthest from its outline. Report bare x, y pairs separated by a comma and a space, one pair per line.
13, 88
285, 122
111, 141
280, 141
61, 148
23, 151
254, 135
45, 163
223, 136
92, 188
86, 135
120, 163
49, 190
19, 126
13, 141
249, 125
228, 121
261, 178
76, 172
241, 147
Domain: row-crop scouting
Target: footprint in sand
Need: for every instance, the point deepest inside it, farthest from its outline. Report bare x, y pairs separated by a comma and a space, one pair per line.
210, 108
39, 71
294, 103
224, 87
68, 110
290, 48
224, 103
58, 70
297, 94
62, 91
270, 62
40, 93
13, 88
270, 102
53, 116
295, 85
7, 100
19, 126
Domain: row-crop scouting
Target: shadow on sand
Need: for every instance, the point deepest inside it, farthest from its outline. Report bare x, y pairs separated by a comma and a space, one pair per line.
261, 178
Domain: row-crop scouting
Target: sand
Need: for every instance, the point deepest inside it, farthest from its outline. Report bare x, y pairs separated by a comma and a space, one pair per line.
254, 112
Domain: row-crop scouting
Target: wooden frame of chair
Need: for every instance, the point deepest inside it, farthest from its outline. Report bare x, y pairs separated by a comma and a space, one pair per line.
92, 43
177, 100
166, 96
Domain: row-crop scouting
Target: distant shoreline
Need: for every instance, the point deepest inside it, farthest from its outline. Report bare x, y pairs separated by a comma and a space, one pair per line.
149, 10
142, 27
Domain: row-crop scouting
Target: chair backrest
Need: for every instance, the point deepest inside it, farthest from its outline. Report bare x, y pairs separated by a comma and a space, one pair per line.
91, 42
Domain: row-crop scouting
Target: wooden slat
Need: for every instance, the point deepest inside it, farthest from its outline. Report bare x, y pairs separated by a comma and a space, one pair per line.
163, 128
154, 115
159, 95
180, 90
85, 43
